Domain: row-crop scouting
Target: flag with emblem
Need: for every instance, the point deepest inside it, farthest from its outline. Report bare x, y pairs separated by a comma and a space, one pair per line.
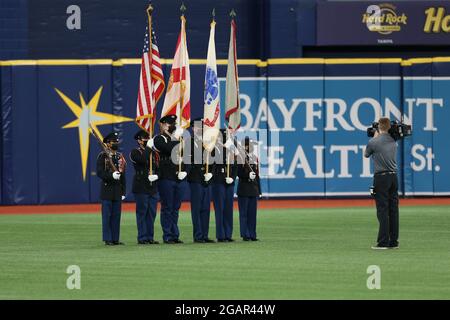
211, 113
232, 112
151, 79
177, 100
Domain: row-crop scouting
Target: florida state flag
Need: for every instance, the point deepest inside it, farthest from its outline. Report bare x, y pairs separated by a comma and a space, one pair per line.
177, 100
211, 113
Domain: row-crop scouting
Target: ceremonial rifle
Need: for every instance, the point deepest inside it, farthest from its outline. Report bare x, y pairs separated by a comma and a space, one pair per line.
105, 149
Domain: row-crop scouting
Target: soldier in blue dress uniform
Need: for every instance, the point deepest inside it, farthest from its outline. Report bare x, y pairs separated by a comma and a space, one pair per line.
111, 170
249, 190
172, 181
145, 188
224, 177
199, 181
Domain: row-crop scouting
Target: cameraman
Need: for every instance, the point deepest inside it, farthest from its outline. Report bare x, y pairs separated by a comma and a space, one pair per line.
383, 149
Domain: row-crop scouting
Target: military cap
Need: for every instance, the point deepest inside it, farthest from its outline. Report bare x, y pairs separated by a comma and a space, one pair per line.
113, 136
141, 134
170, 119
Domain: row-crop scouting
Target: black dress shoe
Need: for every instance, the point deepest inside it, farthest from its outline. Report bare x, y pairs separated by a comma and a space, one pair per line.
246, 239
169, 241
207, 240
199, 241
152, 242
109, 243
254, 239
393, 245
178, 241
118, 243
229, 240
222, 240
142, 242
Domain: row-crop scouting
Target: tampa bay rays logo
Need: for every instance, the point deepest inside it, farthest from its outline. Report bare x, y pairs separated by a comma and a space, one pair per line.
88, 117
211, 94
211, 86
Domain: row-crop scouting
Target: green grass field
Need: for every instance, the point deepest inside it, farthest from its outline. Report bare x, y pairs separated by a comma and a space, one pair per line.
303, 254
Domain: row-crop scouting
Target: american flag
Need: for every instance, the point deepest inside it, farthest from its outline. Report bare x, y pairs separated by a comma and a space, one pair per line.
151, 83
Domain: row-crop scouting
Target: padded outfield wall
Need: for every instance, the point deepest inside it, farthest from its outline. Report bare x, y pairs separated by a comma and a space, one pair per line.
315, 111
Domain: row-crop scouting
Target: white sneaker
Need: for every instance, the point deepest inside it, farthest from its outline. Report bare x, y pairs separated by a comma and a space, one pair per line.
379, 248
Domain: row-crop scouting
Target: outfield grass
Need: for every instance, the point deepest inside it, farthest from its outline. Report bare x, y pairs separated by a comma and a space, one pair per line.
303, 254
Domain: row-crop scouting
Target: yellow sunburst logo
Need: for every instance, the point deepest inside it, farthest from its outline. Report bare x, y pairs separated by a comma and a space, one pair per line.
88, 117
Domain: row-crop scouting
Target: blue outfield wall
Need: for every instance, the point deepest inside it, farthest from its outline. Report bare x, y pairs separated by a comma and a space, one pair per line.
311, 115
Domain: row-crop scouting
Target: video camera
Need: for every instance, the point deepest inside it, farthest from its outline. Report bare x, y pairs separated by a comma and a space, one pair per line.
397, 131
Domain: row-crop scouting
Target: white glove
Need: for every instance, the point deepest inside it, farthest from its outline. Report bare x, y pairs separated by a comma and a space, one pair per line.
116, 175
252, 175
123, 198
228, 144
152, 177
207, 176
182, 175
150, 143
178, 133
229, 180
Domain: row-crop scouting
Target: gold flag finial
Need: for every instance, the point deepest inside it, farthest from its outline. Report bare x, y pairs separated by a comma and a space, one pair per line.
182, 8
150, 8
232, 14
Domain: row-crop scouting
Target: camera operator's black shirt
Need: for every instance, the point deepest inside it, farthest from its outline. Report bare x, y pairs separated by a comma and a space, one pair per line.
384, 151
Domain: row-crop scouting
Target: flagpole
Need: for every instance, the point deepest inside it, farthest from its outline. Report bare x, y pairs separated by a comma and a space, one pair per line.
149, 16
232, 15
213, 23
228, 159
207, 161
183, 40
